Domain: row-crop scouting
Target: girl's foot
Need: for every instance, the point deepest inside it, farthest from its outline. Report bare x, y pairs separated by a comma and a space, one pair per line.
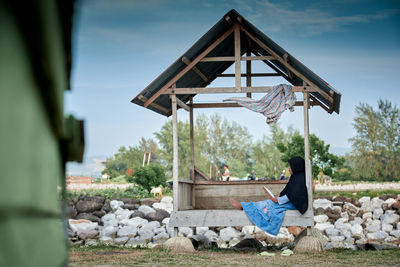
236, 204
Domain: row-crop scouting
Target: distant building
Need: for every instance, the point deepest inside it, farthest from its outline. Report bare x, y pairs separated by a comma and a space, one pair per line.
105, 176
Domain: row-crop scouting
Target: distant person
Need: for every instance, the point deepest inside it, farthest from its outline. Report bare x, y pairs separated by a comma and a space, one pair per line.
226, 175
282, 177
252, 176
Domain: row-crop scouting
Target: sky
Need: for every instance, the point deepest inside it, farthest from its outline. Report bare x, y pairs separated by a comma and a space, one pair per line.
121, 46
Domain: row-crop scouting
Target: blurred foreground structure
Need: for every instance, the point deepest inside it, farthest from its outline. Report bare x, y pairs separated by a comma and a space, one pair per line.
35, 138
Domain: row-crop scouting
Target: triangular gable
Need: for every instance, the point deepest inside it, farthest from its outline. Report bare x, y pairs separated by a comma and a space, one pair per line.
214, 52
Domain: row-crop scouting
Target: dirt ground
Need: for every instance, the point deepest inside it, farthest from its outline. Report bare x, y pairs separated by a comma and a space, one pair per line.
118, 257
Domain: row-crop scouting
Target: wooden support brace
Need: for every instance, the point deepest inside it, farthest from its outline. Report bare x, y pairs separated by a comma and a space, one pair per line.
237, 56
251, 75
154, 105
195, 69
287, 59
182, 105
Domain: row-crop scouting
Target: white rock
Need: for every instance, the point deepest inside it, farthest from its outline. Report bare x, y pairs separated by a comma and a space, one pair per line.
233, 242
82, 225
145, 234
357, 230
322, 203
365, 204
135, 221
201, 230
160, 206
357, 220
323, 226
331, 231
345, 215
228, 233
398, 226
350, 208
387, 227
395, 233
390, 202
170, 231
376, 203
185, 231
341, 220
336, 238
160, 230
321, 218
379, 236
115, 204
151, 225
390, 211
211, 235
146, 209
373, 226
122, 214
136, 242
364, 199
121, 240
343, 226
91, 242
390, 239
129, 231
349, 240
377, 213
389, 218
108, 217
107, 240
361, 241
221, 243
109, 231
347, 234
336, 209
367, 215
87, 234
161, 236
165, 221
167, 200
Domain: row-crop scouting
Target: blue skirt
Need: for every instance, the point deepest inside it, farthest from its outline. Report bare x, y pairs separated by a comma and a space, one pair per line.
267, 215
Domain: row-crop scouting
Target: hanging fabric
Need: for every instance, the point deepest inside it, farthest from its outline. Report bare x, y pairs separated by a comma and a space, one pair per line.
272, 105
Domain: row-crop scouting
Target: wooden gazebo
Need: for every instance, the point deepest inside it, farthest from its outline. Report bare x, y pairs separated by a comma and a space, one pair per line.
198, 201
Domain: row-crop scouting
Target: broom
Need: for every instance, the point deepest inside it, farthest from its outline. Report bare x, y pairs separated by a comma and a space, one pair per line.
309, 240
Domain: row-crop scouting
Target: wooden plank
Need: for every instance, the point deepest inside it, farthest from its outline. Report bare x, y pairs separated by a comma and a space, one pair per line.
222, 90
281, 60
185, 196
251, 182
201, 174
182, 104
235, 105
250, 75
250, 58
185, 181
215, 218
319, 103
191, 136
188, 67
238, 54
214, 59
195, 69
175, 152
287, 59
307, 152
154, 105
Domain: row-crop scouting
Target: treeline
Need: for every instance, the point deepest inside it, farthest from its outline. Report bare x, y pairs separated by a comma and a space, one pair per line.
218, 141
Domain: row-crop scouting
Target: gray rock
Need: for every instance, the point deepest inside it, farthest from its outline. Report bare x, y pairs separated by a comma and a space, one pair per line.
146, 209
373, 226
331, 231
115, 204
161, 236
389, 218
109, 220
88, 234
122, 214
87, 206
367, 215
148, 201
152, 225
165, 221
228, 233
377, 213
160, 230
320, 218
322, 203
379, 236
395, 233
145, 234
108, 231
82, 225
91, 242
387, 227
357, 220
159, 206
211, 235
185, 231
98, 199
390, 202
159, 215
121, 240
376, 203
127, 231
106, 206
351, 209
106, 240
131, 201
357, 231
99, 213
72, 212
137, 213
336, 209
131, 206
323, 226
203, 230
179, 245
336, 238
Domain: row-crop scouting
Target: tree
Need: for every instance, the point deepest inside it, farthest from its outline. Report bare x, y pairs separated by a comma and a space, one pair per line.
376, 145
149, 176
320, 157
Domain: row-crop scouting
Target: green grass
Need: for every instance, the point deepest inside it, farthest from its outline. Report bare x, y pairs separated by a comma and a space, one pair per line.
114, 256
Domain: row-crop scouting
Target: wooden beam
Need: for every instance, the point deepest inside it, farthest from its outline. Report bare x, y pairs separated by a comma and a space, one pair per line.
182, 105
221, 90
250, 74
154, 105
272, 66
287, 59
238, 55
319, 103
191, 137
195, 69
188, 67
175, 152
251, 58
235, 105
281, 60
307, 152
214, 59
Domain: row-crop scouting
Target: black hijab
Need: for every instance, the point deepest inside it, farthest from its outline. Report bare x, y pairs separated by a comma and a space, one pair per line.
296, 189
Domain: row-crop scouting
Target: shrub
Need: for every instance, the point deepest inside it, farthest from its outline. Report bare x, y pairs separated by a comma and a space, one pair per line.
149, 176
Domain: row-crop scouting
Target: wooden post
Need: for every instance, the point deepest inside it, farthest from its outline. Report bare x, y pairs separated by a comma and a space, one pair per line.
248, 73
175, 156
191, 124
237, 56
307, 151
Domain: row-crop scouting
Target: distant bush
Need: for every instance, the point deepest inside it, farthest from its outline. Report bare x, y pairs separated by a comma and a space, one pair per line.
149, 176
137, 192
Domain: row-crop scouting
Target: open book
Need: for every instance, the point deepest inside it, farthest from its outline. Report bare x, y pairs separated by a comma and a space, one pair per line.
269, 192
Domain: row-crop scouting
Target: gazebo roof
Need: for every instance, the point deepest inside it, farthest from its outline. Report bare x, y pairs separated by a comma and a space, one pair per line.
193, 70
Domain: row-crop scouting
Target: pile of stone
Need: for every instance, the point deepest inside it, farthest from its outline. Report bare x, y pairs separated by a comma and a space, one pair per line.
343, 222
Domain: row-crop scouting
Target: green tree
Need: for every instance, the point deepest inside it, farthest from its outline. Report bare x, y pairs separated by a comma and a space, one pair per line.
149, 176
